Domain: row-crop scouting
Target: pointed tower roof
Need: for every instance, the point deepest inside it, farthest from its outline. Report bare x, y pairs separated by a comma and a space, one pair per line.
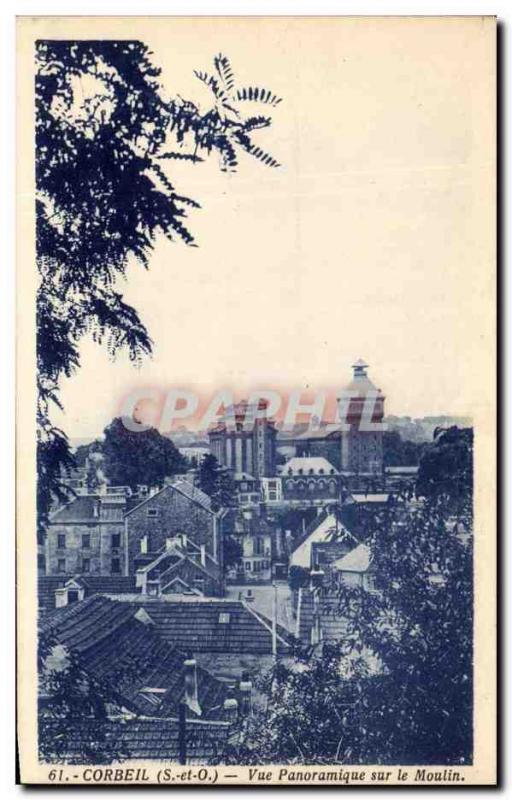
360, 382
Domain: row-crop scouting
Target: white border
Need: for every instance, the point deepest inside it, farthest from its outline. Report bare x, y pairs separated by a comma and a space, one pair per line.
7, 229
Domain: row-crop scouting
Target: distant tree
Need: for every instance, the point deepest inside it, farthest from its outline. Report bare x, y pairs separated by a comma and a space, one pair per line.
216, 482
398, 452
232, 551
446, 469
144, 457
106, 134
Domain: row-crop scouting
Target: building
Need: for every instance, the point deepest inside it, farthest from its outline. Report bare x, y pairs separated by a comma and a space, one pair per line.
177, 519
253, 532
247, 489
310, 480
81, 587
226, 636
326, 529
361, 406
244, 444
87, 536
117, 643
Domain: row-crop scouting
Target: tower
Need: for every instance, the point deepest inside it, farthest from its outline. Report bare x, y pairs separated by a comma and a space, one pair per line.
245, 447
362, 409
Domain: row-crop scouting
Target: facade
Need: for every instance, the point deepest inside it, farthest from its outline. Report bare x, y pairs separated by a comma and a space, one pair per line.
87, 536
253, 531
179, 516
361, 450
310, 479
243, 445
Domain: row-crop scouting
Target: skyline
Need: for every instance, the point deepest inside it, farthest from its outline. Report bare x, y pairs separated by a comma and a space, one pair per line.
369, 241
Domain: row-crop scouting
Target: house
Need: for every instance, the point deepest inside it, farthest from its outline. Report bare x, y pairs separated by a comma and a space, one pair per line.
310, 480
87, 536
355, 568
80, 587
178, 517
325, 528
247, 489
227, 637
117, 643
253, 531
179, 571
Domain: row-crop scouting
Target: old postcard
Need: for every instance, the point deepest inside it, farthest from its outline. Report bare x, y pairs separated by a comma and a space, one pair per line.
256, 429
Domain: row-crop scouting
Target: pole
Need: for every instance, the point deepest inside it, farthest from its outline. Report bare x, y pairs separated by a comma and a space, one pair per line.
182, 732
274, 622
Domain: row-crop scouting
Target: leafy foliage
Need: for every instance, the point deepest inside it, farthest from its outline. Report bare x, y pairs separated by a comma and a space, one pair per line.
446, 468
103, 133
132, 458
216, 482
232, 551
73, 705
401, 452
397, 689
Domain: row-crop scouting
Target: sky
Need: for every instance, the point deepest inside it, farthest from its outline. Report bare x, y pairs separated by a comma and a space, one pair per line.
373, 240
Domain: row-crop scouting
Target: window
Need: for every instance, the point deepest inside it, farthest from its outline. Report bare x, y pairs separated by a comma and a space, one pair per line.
144, 544
116, 540
86, 541
61, 541
41, 562
86, 564
153, 512
61, 565
247, 566
223, 618
258, 546
116, 566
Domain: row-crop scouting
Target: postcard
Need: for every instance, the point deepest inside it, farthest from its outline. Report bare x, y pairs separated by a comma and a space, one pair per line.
256, 401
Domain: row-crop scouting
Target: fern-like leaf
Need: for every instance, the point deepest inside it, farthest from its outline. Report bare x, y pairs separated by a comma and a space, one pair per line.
253, 123
255, 94
181, 156
223, 67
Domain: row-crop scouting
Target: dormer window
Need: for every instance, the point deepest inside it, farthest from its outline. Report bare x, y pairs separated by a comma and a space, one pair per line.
153, 512
224, 618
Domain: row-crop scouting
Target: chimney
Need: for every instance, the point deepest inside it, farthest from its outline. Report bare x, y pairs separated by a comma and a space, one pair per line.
230, 707
245, 689
190, 698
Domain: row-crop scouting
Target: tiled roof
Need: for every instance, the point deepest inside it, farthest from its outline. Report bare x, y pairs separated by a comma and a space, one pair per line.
46, 586
80, 509
107, 584
117, 648
193, 493
185, 488
153, 739
193, 623
318, 464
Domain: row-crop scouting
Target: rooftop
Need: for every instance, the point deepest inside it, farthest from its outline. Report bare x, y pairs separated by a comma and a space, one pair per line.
358, 560
113, 644
152, 739
210, 624
308, 465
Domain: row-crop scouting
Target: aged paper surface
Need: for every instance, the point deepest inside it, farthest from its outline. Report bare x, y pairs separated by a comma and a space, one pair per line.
256, 522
